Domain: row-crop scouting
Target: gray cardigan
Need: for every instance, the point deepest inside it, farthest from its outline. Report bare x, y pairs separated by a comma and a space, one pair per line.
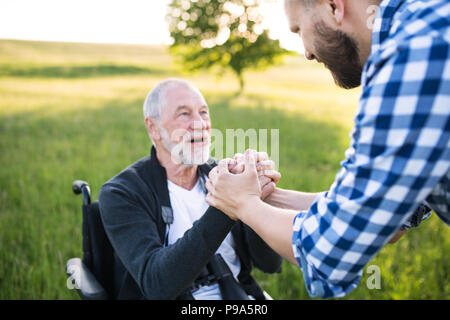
130, 206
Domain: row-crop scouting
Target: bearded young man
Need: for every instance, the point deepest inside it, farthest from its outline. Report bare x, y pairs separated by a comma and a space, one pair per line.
398, 163
166, 238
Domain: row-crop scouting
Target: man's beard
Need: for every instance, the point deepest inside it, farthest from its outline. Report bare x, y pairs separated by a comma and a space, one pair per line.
182, 153
340, 54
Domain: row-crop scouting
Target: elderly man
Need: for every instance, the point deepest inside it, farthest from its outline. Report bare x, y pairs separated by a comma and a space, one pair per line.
399, 159
168, 242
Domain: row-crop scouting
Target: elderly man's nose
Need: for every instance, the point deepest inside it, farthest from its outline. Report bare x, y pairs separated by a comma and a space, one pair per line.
199, 123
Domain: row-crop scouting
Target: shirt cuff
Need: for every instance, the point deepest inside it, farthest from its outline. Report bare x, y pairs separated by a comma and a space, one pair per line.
317, 286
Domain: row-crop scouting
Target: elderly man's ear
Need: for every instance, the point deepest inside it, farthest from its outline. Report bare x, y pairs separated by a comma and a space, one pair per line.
152, 129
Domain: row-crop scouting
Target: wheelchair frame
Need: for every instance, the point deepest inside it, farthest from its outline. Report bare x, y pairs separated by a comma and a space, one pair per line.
80, 277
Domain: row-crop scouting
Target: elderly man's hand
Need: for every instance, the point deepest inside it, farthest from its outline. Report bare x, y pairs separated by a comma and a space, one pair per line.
229, 192
267, 175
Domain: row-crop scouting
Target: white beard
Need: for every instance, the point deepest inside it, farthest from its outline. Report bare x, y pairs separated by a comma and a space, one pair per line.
181, 152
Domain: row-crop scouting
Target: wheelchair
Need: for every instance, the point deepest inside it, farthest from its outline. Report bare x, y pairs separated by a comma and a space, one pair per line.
92, 276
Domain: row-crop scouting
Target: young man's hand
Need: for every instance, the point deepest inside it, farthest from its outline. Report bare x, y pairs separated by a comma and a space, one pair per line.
230, 192
267, 175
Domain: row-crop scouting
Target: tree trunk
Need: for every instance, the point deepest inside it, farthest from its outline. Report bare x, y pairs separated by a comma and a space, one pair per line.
241, 82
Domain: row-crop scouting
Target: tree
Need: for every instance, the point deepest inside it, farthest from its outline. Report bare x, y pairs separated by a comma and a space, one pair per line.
221, 34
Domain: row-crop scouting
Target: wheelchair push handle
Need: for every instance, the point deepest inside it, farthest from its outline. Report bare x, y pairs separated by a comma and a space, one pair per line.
80, 186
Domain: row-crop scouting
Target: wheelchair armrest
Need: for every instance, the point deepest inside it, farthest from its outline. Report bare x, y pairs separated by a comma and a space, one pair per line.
82, 279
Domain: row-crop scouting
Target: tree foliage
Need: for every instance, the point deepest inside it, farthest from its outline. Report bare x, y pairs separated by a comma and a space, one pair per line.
221, 34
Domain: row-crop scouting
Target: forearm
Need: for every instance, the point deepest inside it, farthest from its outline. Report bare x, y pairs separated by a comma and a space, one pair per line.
175, 267
289, 199
273, 225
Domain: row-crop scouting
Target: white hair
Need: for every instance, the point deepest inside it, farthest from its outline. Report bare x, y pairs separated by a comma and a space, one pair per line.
156, 98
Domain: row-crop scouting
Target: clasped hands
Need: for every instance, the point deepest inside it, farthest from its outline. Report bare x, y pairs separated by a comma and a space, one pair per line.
234, 183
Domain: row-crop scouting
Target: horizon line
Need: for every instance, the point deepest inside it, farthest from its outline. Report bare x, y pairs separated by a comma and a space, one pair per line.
161, 44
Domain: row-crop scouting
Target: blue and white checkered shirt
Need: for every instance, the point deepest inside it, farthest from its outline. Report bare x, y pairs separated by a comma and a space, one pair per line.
399, 156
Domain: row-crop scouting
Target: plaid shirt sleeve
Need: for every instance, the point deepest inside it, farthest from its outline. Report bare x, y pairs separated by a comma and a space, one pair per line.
399, 153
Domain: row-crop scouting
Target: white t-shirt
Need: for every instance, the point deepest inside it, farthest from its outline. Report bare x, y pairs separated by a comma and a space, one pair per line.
189, 206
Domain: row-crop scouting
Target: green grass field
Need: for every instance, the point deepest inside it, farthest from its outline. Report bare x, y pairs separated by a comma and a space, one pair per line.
74, 111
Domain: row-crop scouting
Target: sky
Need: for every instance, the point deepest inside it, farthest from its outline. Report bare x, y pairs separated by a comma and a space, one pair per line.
111, 21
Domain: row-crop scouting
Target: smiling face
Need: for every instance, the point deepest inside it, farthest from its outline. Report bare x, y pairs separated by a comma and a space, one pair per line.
334, 48
185, 125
